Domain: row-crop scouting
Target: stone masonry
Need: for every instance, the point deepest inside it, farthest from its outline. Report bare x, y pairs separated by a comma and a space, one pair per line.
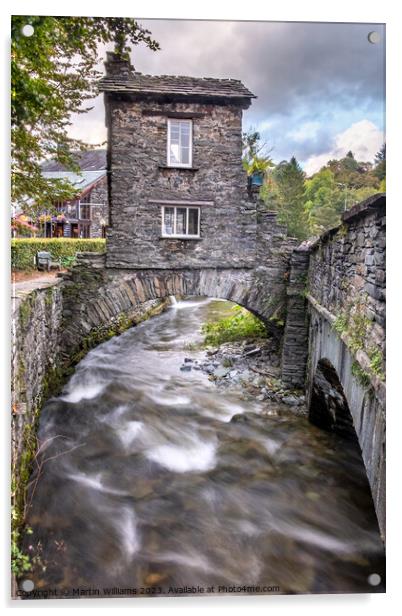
336, 315
137, 111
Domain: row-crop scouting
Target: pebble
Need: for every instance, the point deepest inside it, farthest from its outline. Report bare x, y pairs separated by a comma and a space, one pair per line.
290, 400
218, 364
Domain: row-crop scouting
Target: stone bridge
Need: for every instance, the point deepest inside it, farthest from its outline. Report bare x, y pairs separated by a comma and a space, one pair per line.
96, 295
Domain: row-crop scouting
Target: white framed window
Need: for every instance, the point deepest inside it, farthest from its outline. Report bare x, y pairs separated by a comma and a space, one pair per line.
180, 143
179, 221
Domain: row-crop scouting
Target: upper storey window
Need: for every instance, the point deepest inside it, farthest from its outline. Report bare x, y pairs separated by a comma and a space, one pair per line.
180, 147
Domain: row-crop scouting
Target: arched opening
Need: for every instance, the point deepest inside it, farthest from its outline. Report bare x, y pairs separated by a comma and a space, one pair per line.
328, 407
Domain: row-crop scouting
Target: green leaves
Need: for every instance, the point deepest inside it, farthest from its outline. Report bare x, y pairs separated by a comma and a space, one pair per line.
53, 74
23, 250
310, 206
254, 159
240, 326
286, 195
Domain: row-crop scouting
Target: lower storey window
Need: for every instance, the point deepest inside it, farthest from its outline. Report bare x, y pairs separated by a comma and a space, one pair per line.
180, 221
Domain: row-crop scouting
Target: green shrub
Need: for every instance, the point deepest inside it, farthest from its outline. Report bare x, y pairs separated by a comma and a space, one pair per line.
241, 325
23, 250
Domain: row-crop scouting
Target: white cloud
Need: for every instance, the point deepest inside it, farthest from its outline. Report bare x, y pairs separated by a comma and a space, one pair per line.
264, 125
363, 138
308, 130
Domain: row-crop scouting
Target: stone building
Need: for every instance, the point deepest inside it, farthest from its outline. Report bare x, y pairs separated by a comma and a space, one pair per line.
87, 215
177, 191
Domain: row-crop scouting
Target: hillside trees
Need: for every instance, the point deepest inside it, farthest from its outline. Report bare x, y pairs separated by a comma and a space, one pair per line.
309, 206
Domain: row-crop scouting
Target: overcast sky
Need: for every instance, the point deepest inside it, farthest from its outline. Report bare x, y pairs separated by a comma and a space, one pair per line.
320, 87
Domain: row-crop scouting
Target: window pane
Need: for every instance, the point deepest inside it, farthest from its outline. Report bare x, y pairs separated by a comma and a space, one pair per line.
185, 156
181, 215
174, 153
174, 125
192, 221
174, 135
168, 221
185, 128
185, 140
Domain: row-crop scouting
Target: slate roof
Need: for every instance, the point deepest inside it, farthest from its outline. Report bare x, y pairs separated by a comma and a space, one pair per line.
180, 86
93, 160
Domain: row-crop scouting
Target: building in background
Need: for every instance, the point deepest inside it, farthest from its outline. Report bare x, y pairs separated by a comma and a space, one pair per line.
87, 215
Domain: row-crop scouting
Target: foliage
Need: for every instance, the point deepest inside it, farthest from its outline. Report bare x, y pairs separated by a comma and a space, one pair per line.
23, 250
376, 362
322, 201
20, 562
362, 376
67, 261
285, 193
381, 164
340, 324
255, 158
53, 75
241, 325
352, 174
355, 324
310, 206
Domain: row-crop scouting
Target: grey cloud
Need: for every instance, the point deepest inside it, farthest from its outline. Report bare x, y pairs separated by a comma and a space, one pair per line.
284, 64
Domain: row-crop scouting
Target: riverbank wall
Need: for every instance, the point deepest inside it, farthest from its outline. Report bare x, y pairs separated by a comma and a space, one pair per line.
40, 364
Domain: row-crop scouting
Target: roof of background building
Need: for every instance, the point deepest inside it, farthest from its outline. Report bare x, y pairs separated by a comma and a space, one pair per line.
80, 182
92, 160
172, 85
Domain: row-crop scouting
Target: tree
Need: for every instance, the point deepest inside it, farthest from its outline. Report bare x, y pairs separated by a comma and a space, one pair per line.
380, 164
323, 201
255, 157
326, 199
53, 74
351, 174
287, 197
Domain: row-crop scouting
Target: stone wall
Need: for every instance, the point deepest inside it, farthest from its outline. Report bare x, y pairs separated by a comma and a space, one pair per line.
140, 180
365, 399
344, 297
347, 274
295, 339
42, 358
36, 353
343, 272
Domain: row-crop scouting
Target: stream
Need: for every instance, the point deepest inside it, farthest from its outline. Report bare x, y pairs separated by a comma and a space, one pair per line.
152, 481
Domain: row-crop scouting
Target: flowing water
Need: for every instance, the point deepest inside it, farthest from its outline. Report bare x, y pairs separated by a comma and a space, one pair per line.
151, 480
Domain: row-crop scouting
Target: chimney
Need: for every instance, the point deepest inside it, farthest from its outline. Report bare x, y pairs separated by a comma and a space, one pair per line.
118, 66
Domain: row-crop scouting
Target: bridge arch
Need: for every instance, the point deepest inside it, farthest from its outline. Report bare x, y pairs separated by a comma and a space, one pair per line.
328, 406
96, 299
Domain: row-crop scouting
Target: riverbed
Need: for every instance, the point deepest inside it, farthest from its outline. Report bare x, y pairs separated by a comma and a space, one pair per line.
151, 480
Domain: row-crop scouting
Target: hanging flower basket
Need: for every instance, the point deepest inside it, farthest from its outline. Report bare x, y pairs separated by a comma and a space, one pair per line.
257, 178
